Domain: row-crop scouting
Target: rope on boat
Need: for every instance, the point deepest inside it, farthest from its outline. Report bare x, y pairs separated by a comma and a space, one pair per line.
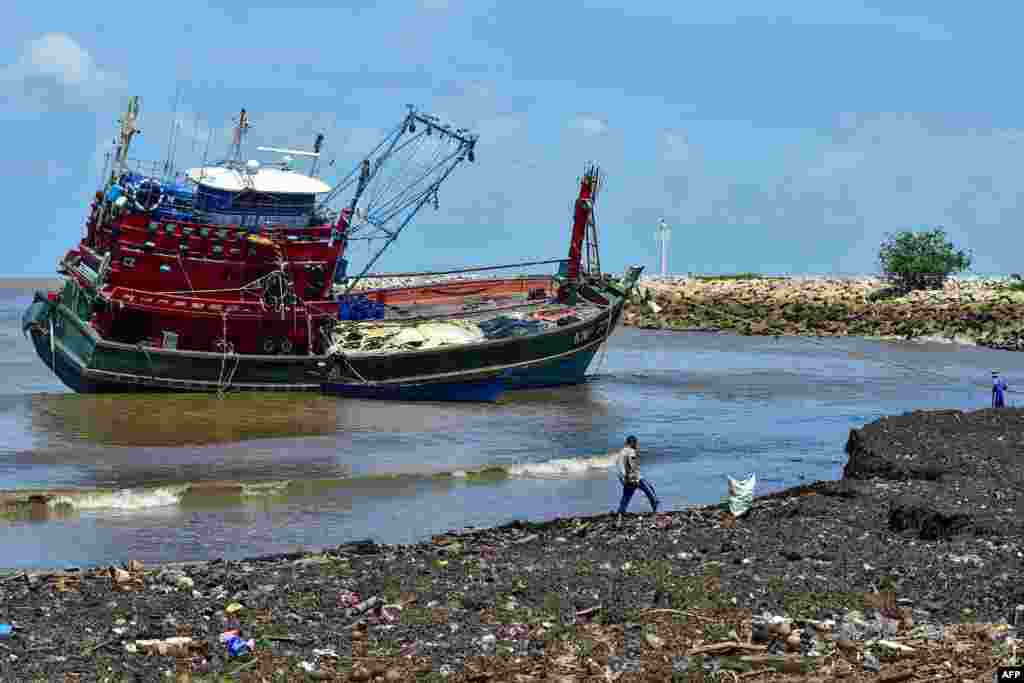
604, 345
354, 371
188, 280
149, 359
227, 349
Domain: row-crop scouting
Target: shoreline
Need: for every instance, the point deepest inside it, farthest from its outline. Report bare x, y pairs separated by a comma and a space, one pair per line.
879, 570
982, 312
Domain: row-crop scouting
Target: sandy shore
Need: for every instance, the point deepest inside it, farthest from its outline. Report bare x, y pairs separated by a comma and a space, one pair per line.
905, 569
984, 312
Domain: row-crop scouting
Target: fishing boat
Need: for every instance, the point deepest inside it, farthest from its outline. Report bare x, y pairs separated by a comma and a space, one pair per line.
233, 276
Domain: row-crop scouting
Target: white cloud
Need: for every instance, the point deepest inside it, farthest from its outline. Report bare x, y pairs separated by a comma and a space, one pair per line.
589, 125
54, 70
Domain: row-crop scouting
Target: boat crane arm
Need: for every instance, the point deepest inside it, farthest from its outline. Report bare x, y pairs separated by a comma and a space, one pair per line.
402, 174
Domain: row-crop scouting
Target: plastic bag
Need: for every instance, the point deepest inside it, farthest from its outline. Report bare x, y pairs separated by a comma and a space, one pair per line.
741, 495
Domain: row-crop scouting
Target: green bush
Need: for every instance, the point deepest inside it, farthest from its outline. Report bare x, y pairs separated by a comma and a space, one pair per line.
921, 260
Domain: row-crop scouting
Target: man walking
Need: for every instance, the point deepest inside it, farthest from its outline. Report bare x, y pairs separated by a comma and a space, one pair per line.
999, 388
629, 475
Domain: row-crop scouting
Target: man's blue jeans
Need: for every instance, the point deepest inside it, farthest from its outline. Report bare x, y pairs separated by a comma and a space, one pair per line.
629, 489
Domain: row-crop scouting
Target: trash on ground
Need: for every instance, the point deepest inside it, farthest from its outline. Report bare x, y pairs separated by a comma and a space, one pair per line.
741, 495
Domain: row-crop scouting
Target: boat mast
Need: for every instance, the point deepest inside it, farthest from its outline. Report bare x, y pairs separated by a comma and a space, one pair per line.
128, 130
582, 217
316, 150
241, 128
590, 243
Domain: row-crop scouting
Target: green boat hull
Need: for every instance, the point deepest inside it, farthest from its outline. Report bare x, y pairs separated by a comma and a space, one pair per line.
87, 363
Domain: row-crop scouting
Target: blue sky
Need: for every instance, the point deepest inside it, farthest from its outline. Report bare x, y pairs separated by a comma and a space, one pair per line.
784, 137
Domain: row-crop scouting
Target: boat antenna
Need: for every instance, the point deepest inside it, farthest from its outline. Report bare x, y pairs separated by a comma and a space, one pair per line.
206, 152
172, 134
241, 128
316, 149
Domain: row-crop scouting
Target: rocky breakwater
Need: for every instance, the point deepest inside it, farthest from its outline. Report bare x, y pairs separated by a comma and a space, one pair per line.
984, 312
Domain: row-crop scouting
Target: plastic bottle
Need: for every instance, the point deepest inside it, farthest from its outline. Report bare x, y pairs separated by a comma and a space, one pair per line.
234, 643
5, 631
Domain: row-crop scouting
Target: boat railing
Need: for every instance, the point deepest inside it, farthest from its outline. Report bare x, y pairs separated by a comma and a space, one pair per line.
474, 288
475, 269
186, 228
149, 168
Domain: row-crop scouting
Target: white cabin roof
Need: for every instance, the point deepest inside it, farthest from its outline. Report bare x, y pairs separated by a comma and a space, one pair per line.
263, 180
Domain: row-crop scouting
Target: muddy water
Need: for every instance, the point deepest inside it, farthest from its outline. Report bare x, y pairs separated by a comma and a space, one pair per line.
165, 477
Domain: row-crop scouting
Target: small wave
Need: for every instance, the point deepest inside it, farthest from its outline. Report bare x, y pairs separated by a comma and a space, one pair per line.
266, 488
168, 496
548, 469
124, 499
561, 467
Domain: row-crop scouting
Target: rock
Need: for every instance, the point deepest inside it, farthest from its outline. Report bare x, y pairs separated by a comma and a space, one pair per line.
871, 662
913, 513
846, 645
392, 674
120, 575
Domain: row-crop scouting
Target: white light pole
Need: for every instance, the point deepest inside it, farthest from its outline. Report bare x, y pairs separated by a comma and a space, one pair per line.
662, 235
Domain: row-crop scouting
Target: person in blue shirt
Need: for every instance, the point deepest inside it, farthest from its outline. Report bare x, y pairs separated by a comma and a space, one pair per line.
999, 388
629, 475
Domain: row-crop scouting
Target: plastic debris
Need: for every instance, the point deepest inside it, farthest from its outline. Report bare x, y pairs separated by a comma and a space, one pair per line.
6, 630
741, 495
347, 598
233, 607
235, 644
178, 645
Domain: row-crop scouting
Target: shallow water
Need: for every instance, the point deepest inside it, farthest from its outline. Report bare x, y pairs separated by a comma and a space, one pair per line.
317, 471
